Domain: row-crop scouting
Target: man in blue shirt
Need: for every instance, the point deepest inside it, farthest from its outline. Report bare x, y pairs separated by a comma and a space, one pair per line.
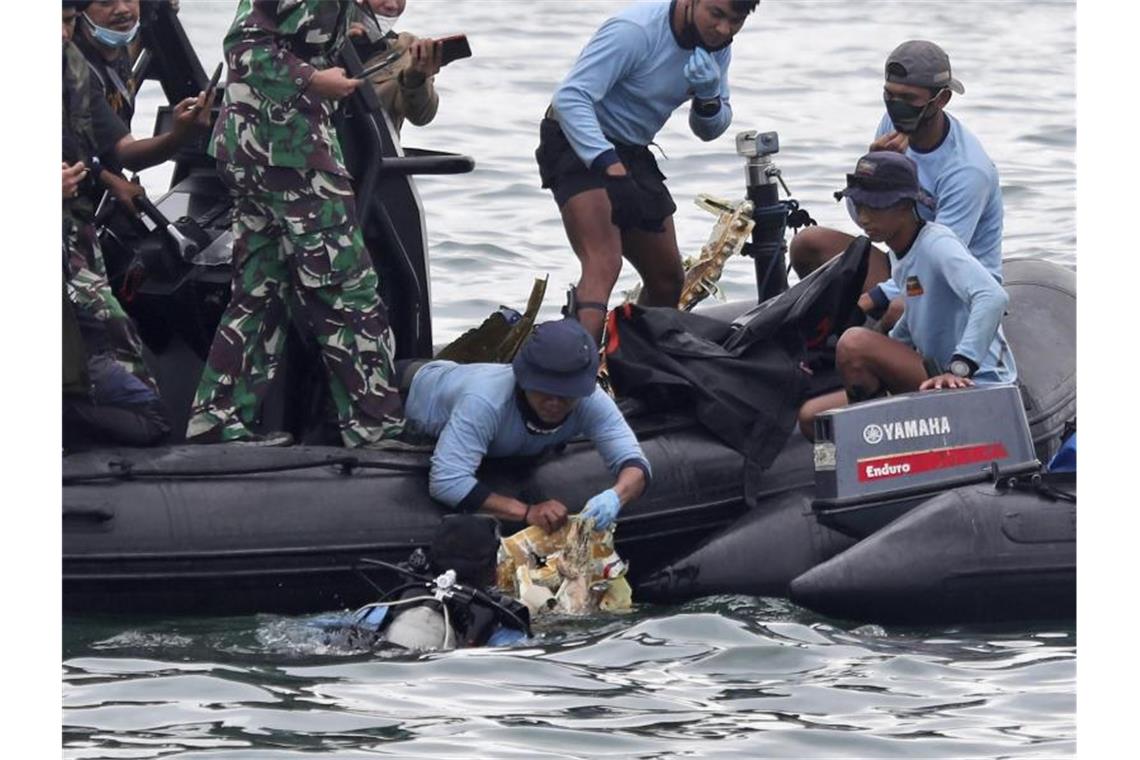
952, 167
638, 68
546, 397
949, 334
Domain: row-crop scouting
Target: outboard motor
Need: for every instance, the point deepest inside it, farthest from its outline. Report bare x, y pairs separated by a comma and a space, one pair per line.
876, 460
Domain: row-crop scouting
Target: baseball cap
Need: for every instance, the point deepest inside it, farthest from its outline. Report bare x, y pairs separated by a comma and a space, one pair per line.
921, 63
559, 358
882, 178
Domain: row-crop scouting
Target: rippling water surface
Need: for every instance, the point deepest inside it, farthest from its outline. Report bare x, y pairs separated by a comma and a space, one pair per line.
729, 676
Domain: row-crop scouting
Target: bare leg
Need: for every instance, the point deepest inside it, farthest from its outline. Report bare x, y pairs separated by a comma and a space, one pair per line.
812, 247
598, 245
868, 361
815, 406
657, 260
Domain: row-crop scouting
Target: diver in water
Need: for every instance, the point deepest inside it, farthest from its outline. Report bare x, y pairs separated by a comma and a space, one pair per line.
952, 165
593, 154
447, 598
546, 397
949, 334
406, 87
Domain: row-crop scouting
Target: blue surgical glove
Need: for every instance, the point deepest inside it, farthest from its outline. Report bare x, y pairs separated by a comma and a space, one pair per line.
603, 508
703, 75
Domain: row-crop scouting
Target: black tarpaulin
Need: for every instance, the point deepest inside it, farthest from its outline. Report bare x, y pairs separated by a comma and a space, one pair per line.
743, 380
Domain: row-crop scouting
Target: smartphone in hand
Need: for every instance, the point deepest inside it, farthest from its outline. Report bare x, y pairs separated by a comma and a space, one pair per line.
453, 48
214, 79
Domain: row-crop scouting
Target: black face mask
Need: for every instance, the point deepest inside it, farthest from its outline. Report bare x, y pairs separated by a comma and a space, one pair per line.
690, 38
908, 118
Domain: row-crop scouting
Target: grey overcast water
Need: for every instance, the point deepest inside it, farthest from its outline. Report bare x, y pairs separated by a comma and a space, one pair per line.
720, 677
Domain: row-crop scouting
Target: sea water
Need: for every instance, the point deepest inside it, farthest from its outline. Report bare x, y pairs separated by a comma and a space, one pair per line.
719, 677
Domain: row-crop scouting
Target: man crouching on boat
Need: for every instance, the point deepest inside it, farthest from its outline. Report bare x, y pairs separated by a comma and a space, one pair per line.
949, 335
546, 397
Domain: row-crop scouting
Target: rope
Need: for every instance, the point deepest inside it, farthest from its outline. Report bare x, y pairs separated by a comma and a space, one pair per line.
125, 470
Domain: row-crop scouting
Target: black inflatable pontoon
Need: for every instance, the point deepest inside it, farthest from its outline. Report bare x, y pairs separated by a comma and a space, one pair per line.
201, 530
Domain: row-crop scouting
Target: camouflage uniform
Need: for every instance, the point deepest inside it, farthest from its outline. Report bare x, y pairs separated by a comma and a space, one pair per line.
85, 273
297, 246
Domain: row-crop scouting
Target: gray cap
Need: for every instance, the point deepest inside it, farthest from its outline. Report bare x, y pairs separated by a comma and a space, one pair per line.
883, 178
923, 64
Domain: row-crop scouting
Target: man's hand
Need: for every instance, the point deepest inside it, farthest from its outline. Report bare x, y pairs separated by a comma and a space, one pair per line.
549, 515
602, 508
122, 190
356, 29
945, 380
895, 141
866, 303
73, 175
192, 114
427, 59
703, 75
332, 84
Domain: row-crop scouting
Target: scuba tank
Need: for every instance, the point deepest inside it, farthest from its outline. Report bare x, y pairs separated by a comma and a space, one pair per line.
448, 599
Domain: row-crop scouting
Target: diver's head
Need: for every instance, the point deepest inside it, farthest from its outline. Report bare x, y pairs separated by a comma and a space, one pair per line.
884, 191
917, 84
555, 368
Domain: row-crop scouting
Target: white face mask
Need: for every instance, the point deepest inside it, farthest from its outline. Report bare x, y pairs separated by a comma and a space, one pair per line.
111, 37
386, 23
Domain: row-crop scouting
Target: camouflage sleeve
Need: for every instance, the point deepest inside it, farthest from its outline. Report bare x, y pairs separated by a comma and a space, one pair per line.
254, 51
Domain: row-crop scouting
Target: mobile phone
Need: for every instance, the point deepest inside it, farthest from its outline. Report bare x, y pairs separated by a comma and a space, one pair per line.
453, 48
214, 79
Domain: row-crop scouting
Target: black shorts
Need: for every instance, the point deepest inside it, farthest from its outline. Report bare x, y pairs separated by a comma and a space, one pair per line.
565, 175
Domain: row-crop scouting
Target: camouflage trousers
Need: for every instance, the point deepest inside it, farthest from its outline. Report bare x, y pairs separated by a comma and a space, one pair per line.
90, 293
298, 251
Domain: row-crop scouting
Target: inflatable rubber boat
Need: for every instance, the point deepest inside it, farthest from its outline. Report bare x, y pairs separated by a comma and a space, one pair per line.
205, 530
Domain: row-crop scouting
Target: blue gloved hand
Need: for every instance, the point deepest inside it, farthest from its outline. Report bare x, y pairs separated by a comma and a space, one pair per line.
702, 73
603, 508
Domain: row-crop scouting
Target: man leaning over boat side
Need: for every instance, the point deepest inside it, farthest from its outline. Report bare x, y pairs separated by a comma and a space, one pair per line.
546, 397
406, 87
297, 246
593, 154
95, 143
953, 168
949, 334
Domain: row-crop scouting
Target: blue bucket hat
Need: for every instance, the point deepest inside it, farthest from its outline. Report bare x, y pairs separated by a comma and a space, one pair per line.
881, 179
560, 358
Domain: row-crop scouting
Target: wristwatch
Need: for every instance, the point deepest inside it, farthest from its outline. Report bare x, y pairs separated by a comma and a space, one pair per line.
959, 367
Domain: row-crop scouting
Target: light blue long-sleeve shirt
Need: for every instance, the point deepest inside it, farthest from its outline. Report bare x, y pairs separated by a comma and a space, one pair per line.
471, 410
964, 183
627, 82
953, 305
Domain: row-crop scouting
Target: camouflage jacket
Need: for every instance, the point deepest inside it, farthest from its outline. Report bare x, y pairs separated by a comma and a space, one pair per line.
78, 129
269, 118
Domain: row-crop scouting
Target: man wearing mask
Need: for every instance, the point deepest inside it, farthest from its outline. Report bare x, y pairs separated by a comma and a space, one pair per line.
105, 33
545, 398
952, 167
297, 250
406, 86
95, 138
638, 68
